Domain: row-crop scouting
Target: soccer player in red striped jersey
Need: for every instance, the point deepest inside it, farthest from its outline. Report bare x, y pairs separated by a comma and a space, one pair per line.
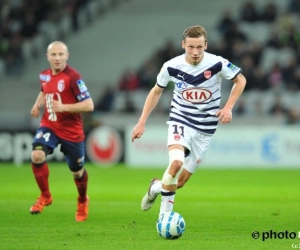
63, 97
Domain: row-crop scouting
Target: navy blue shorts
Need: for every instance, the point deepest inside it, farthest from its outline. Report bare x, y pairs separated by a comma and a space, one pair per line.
74, 152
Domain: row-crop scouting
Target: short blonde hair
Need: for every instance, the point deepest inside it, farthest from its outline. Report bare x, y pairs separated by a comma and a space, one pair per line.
194, 32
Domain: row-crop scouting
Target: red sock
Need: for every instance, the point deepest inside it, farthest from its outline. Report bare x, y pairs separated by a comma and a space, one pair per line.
81, 184
41, 174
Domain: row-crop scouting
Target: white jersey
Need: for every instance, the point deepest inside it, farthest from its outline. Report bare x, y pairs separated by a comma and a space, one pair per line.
197, 89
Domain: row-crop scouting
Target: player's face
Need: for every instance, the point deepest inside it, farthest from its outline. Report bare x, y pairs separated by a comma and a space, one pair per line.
57, 56
194, 49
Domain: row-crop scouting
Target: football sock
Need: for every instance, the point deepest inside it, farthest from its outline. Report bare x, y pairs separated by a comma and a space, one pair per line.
167, 201
156, 188
81, 184
41, 174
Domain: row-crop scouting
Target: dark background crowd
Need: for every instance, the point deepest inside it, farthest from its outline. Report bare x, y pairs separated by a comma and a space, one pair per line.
21, 21
28, 22
239, 47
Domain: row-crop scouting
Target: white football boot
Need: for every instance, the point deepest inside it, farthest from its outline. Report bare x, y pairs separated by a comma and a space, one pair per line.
148, 200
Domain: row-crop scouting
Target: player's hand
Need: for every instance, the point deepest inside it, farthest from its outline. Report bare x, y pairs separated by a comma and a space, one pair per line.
57, 106
138, 131
35, 111
225, 115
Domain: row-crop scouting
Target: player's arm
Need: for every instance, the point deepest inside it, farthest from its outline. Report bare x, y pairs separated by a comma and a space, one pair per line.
225, 114
40, 101
150, 103
86, 105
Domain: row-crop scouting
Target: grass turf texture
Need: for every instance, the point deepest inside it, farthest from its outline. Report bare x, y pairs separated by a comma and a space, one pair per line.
221, 209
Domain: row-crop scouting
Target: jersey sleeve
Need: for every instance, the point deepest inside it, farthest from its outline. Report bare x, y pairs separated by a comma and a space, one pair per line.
44, 79
79, 88
229, 70
163, 77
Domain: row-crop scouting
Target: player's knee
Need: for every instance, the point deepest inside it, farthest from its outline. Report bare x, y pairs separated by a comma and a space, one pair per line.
78, 174
175, 167
176, 159
38, 156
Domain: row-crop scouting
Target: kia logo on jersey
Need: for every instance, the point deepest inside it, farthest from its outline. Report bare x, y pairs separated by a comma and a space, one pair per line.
104, 145
196, 95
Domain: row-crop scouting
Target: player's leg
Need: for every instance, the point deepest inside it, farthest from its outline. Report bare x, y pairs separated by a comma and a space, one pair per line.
170, 178
175, 137
42, 145
171, 181
74, 154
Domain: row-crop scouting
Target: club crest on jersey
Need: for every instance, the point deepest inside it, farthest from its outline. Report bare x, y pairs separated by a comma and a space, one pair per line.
181, 85
196, 95
61, 85
81, 86
207, 74
177, 137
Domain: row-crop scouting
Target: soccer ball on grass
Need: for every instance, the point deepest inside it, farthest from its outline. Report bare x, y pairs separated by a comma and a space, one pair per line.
170, 225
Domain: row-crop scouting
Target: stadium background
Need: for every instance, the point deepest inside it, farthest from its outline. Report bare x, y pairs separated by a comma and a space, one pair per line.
118, 47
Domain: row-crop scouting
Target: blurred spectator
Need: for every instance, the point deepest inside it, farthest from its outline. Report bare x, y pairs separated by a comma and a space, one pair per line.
129, 106
74, 7
255, 50
269, 13
147, 74
285, 21
295, 84
260, 80
225, 22
168, 51
248, 69
241, 107
234, 34
106, 100
291, 38
258, 108
275, 76
129, 81
293, 117
278, 107
238, 52
248, 12
14, 56
294, 6
288, 71
274, 40
89, 121
30, 26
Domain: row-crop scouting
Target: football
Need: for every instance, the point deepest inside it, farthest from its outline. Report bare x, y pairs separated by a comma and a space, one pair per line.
170, 225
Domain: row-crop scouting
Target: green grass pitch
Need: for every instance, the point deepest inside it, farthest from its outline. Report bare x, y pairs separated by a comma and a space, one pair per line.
221, 209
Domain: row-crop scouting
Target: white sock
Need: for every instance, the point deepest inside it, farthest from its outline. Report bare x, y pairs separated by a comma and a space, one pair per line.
167, 201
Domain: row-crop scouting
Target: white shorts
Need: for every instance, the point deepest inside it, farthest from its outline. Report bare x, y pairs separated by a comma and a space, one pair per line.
196, 142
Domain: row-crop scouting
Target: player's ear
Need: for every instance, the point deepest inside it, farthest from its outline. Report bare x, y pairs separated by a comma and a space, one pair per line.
182, 44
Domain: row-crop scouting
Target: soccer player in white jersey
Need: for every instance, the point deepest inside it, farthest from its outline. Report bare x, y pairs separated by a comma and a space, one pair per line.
194, 113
